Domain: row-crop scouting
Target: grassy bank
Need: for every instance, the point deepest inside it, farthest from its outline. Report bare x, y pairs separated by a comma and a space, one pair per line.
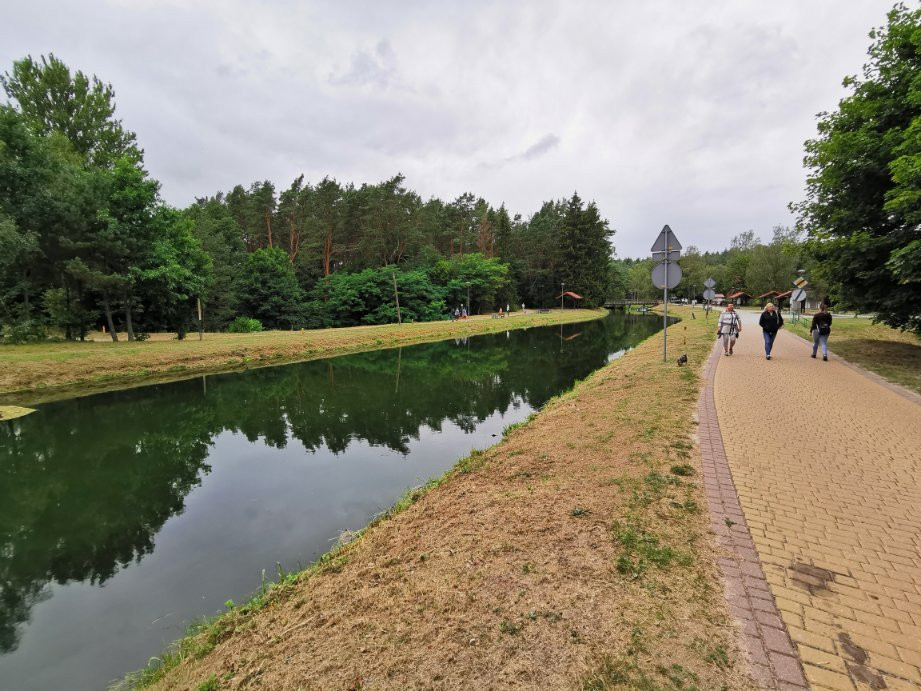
892, 354
573, 554
40, 372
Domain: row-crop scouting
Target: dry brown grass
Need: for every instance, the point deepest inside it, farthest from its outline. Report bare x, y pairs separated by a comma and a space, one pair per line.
568, 556
41, 372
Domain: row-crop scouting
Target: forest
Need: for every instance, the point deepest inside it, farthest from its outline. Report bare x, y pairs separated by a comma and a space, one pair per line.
87, 242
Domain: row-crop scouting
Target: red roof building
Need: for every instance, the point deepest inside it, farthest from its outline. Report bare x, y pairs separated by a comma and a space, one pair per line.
740, 297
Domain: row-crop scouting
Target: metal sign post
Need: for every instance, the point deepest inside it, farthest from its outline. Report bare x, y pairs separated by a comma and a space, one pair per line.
666, 249
799, 293
709, 293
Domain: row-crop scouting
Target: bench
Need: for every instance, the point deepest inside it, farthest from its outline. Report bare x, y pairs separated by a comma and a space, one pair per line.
543, 310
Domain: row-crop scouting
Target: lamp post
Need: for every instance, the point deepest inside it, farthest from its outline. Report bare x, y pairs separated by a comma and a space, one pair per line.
562, 286
469, 307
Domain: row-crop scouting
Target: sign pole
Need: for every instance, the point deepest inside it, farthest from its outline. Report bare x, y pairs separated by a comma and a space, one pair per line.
666, 248
665, 315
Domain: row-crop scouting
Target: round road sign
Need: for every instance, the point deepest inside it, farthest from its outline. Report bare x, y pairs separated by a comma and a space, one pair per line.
709, 294
658, 276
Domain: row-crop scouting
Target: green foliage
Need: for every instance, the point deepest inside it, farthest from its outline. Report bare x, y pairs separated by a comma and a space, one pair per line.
487, 280
177, 270
861, 208
80, 217
585, 252
269, 290
639, 281
28, 331
242, 325
367, 297
770, 267
76, 106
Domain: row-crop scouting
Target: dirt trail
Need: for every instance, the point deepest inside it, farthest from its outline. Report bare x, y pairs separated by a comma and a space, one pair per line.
575, 554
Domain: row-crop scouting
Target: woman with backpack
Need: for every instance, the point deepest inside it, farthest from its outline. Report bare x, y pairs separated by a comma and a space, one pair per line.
770, 322
821, 327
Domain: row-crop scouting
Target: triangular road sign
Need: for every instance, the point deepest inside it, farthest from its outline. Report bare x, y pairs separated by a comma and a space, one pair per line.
666, 242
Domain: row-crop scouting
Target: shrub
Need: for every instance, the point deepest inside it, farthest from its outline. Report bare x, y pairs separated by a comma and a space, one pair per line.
27, 331
243, 325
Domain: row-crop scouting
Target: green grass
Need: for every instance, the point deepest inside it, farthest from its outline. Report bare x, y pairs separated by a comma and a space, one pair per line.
894, 355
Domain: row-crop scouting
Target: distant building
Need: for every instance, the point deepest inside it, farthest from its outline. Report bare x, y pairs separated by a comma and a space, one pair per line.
767, 297
741, 298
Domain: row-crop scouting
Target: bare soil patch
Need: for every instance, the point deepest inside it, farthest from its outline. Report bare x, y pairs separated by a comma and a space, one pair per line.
575, 554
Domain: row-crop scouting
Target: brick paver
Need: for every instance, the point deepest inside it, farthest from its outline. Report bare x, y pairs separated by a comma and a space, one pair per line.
764, 636
826, 463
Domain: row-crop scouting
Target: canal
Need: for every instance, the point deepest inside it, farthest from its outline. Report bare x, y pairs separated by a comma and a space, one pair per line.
125, 516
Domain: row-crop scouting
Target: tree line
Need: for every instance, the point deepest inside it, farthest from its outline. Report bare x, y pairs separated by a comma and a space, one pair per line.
747, 266
87, 242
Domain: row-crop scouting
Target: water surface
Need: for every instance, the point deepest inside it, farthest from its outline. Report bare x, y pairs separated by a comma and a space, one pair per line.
126, 515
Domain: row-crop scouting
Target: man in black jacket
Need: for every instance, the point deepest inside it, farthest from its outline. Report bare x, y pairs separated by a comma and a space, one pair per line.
770, 322
820, 328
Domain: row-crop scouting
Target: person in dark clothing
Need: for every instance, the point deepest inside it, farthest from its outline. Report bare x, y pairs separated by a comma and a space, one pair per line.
771, 321
821, 327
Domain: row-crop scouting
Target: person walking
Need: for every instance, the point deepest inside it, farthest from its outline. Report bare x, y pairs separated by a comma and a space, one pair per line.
820, 328
728, 328
771, 321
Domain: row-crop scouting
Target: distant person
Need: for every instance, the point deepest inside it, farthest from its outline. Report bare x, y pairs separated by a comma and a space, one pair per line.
770, 322
821, 328
728, 328
456, 314
500, 311
463, 312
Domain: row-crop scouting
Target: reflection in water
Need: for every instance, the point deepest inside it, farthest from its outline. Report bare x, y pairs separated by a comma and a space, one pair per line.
87, 484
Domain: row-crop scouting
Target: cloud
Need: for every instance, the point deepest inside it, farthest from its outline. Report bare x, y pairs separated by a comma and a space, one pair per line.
368, 68
545, 144
692, 114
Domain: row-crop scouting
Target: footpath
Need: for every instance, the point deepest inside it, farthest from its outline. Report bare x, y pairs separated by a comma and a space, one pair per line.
813, 475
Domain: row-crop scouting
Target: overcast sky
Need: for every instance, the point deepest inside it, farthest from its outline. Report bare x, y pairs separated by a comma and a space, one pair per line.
691, 113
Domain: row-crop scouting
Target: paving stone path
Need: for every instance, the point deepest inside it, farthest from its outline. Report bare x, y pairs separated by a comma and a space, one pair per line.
824, 466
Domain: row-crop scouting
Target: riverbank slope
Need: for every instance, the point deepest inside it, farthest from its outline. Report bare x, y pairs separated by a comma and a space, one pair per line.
41, 372
576, 553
